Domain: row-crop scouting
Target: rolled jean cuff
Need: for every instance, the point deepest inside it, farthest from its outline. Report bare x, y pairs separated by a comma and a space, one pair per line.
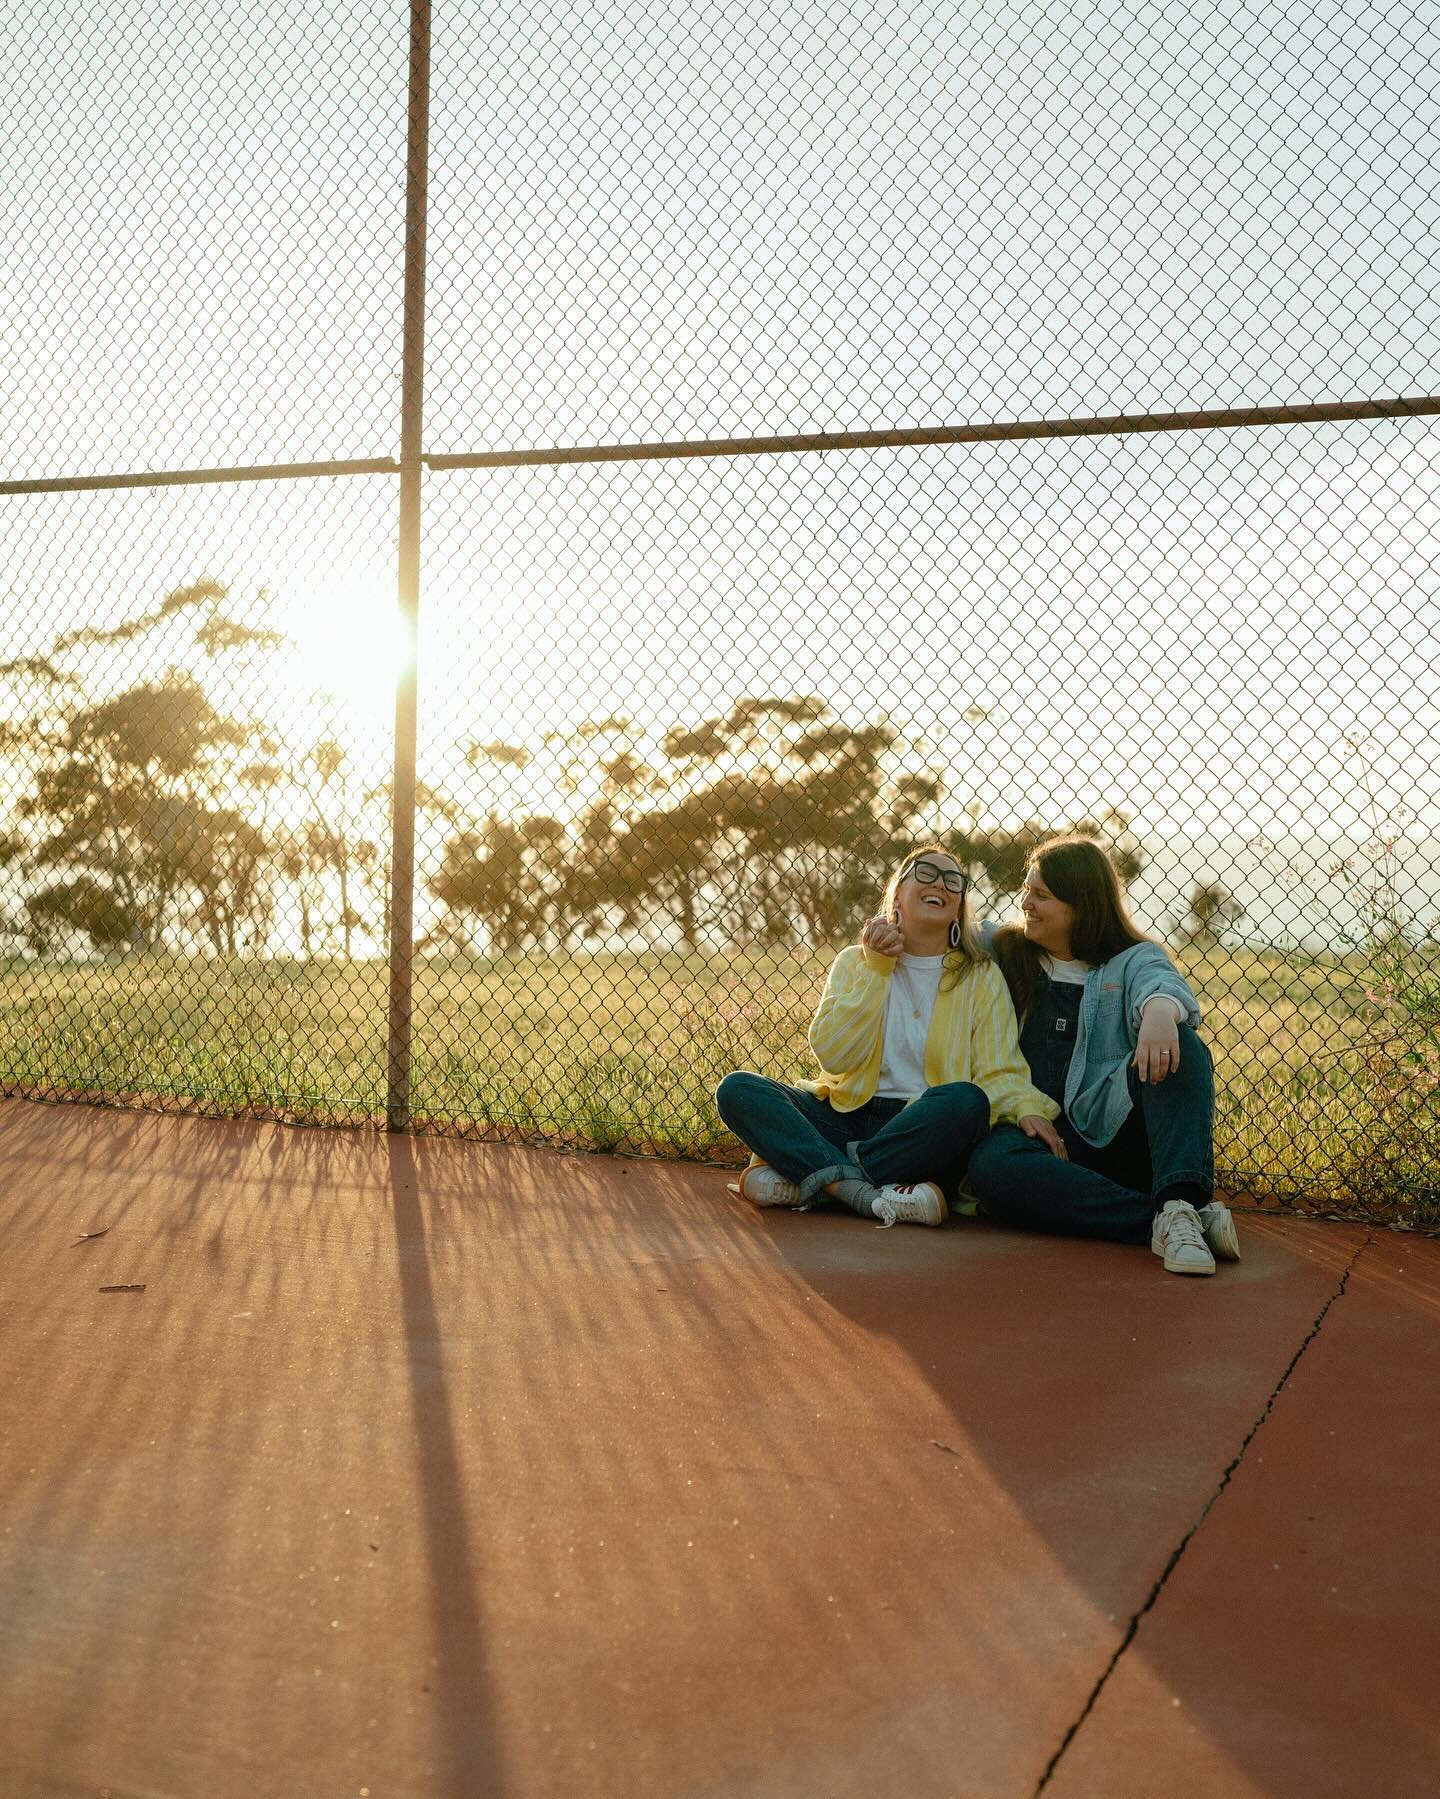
853, 1151
812, 1188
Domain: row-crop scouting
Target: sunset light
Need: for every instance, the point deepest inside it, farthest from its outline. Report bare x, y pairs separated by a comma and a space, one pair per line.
798, 621
349, 648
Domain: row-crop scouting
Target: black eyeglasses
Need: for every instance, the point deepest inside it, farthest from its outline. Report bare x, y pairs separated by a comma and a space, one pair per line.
953, 879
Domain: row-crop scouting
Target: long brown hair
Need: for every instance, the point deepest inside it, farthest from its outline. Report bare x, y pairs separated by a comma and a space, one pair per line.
968, 953
1079, 873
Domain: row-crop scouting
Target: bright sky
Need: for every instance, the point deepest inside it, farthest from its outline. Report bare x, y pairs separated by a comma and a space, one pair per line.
699, 219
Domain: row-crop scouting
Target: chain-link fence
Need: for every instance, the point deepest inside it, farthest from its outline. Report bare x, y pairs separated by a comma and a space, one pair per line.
838, 430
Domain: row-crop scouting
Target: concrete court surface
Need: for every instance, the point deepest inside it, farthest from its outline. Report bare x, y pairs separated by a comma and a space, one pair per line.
424, 1470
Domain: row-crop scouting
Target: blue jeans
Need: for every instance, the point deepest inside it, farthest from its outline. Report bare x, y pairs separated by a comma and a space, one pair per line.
884, 1141
1115, 1190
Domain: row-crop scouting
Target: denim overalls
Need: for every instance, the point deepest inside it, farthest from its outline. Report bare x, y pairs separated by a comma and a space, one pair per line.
1180, 1107
1112, 1191
1047, 1038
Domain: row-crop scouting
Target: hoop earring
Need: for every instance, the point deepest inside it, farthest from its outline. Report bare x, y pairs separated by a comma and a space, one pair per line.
954, 933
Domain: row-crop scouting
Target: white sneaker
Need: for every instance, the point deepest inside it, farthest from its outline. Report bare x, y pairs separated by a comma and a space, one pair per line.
1178, 1237
762, 1186
1219, 1229
922, 1203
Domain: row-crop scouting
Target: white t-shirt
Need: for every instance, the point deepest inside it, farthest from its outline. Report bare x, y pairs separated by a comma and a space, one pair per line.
909, 1006
1073, 974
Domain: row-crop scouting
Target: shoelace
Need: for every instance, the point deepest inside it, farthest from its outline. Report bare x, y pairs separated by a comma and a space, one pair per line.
886, 1209
1183, 1229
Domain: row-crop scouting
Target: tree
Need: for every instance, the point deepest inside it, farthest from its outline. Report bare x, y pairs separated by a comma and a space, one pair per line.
502, 875
80, 907
804, 814
655, 861
329, 850
123, 796
128, 817
1213, 910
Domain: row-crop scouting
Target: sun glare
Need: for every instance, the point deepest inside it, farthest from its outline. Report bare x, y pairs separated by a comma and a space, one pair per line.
350, 648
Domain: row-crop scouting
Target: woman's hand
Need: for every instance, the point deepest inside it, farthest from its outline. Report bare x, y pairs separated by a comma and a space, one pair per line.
883, 936
1157, 1046
1035, 1126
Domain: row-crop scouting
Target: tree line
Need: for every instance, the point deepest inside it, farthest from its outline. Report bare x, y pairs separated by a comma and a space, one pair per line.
149, 814
773, 823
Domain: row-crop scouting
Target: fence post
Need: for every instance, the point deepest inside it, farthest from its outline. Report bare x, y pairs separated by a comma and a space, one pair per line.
412, 420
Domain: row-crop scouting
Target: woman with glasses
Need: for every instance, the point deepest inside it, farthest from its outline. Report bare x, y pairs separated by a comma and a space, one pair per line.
916, 1040
1107, 1025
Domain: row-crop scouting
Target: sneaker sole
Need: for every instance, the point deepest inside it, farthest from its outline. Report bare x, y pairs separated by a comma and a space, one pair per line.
1157, 1249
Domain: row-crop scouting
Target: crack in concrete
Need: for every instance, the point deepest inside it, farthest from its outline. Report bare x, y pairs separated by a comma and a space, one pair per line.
1184, 1543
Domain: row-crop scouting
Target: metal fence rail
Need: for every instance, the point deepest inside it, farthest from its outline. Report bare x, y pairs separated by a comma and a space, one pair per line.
818, 433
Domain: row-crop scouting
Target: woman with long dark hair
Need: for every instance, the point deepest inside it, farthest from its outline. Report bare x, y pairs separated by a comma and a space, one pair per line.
915, 1037
1108, 1029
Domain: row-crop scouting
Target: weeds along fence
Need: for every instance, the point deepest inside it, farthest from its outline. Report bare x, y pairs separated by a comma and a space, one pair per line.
791, 435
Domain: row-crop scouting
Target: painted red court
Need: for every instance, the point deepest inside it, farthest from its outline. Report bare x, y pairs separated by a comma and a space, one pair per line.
410, 1469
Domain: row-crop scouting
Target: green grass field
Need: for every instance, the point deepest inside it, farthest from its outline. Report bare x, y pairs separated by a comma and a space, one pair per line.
1317, 1103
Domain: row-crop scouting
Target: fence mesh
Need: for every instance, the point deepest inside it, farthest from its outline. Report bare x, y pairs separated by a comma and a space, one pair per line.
201, 215
719, 221
678, 716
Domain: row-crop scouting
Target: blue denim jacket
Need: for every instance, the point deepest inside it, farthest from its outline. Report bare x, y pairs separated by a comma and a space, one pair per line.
1097, 1092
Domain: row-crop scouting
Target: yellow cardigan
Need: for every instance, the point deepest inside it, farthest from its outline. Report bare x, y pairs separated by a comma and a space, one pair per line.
973, 1037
